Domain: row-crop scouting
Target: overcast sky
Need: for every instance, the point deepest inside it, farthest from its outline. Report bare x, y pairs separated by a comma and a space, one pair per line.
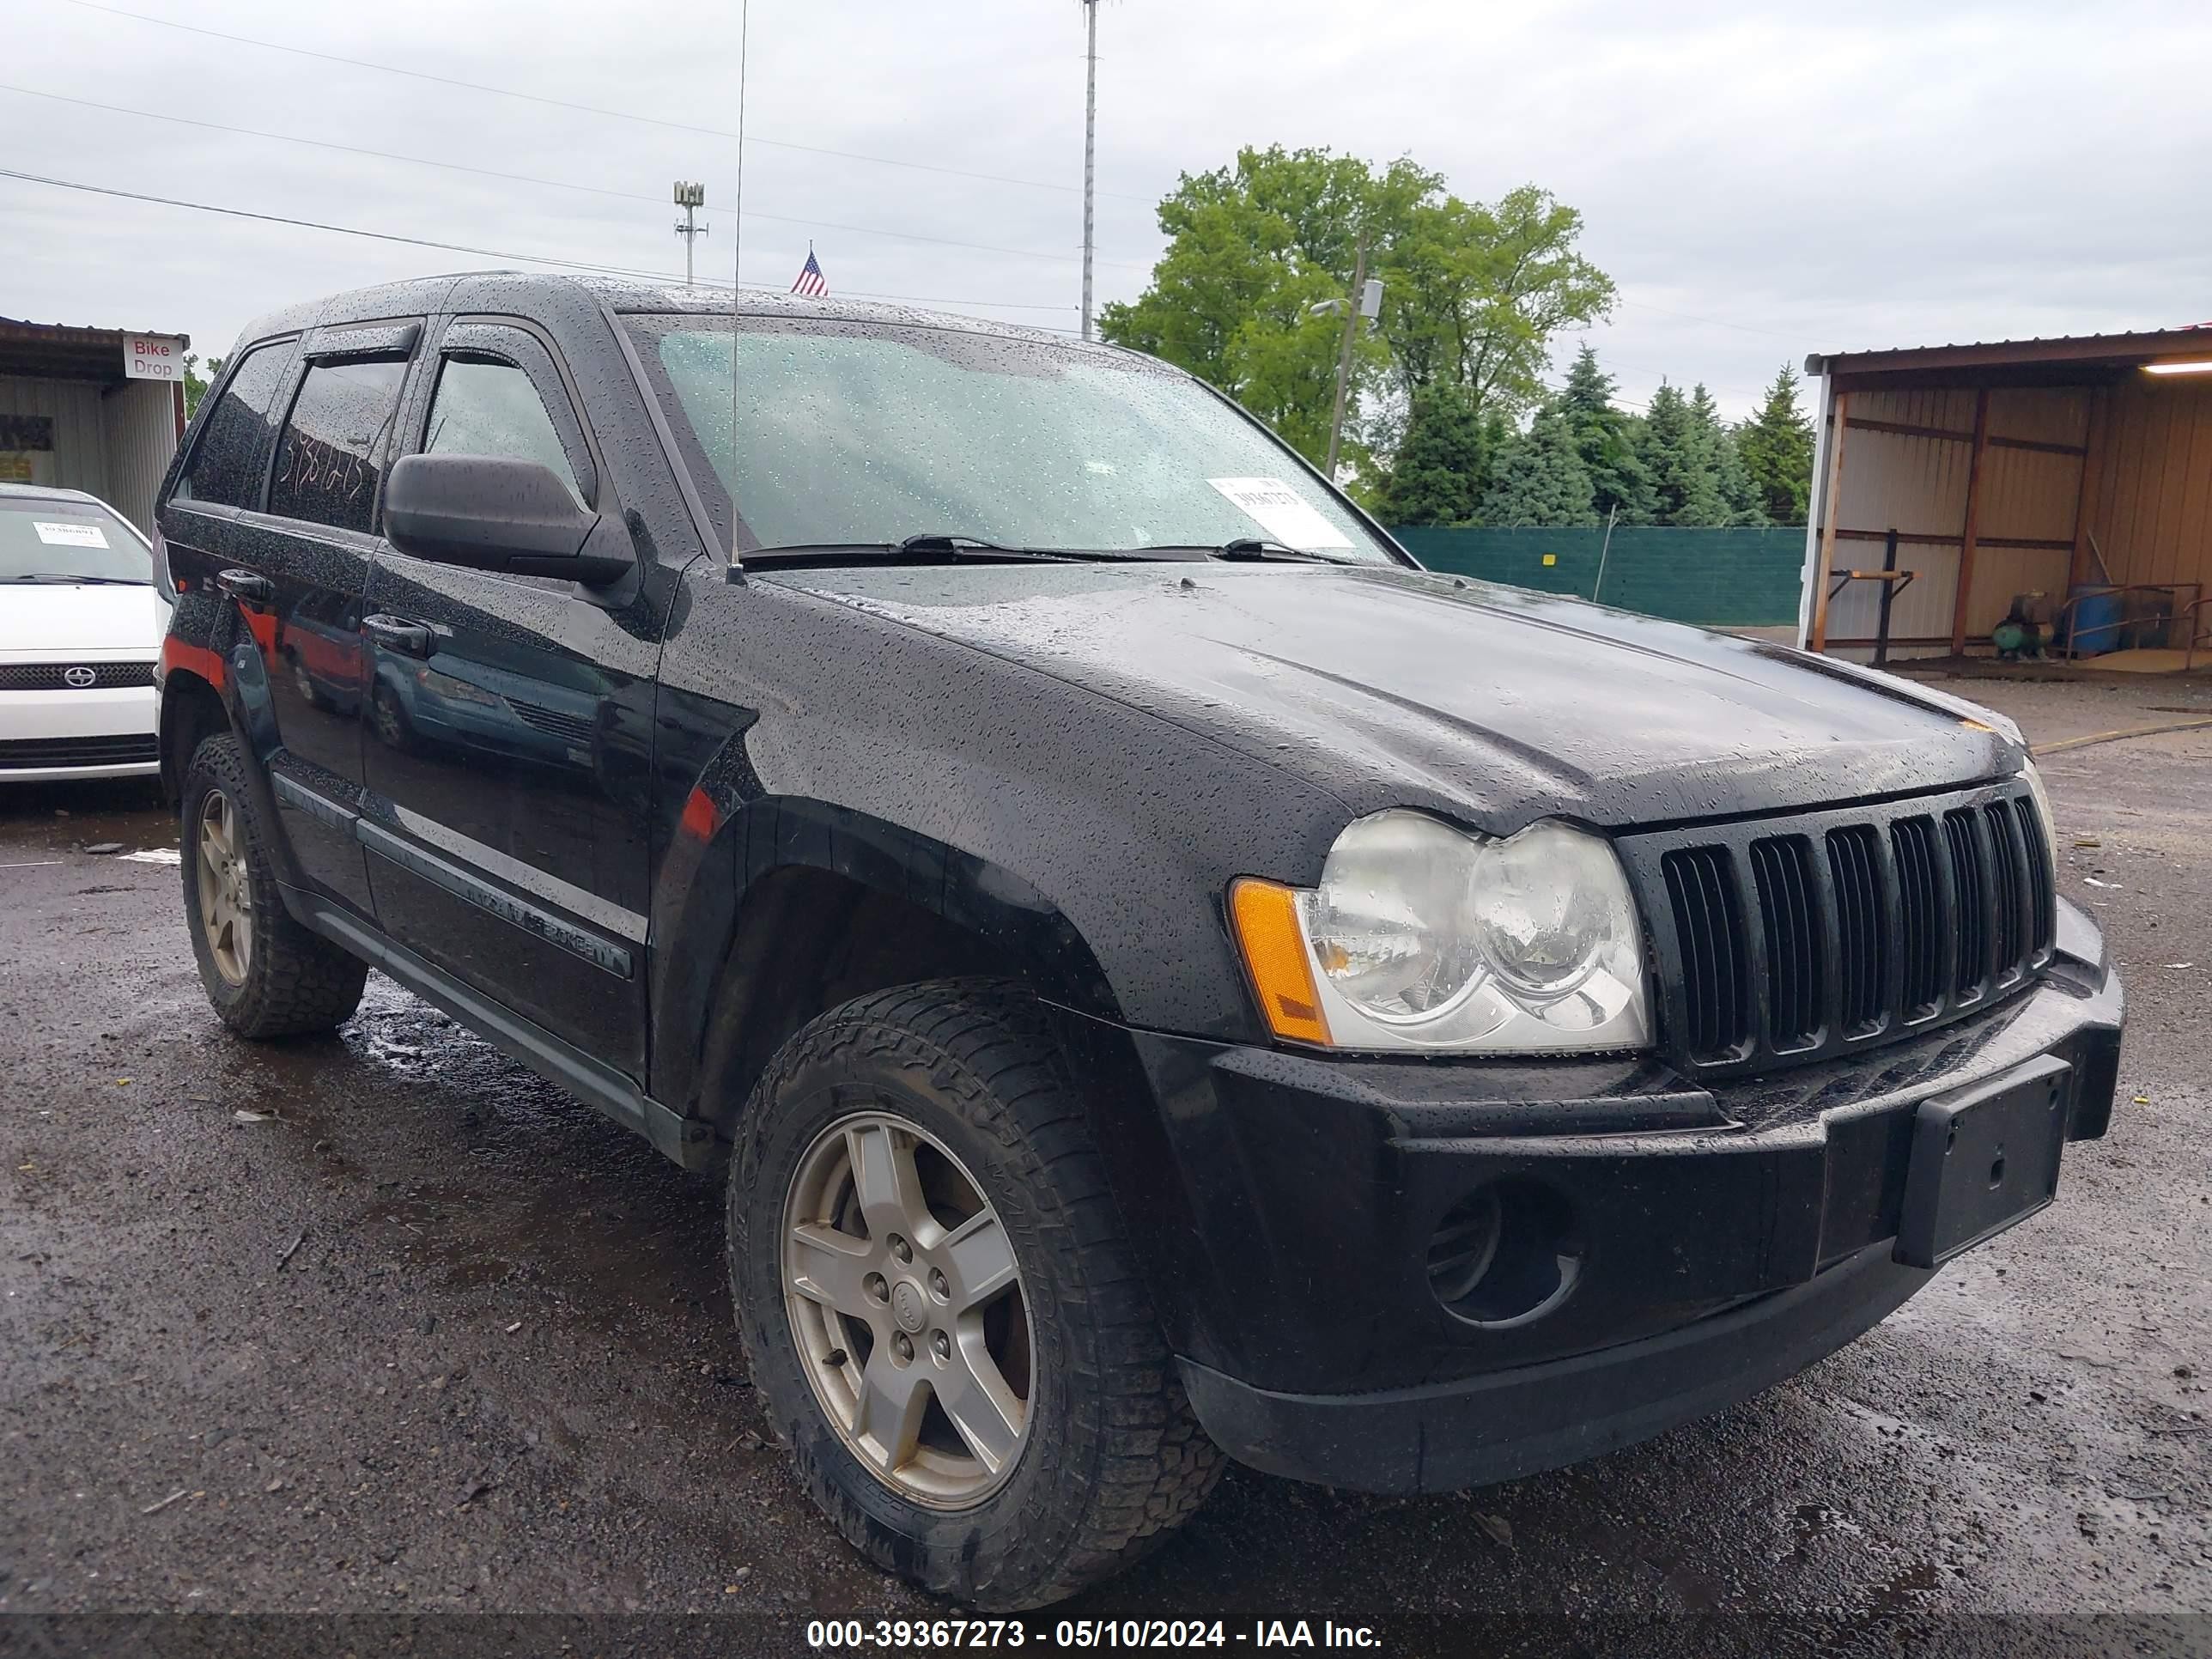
1760, 187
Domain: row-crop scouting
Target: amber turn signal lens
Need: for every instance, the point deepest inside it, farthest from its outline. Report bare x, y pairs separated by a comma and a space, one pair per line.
1266, 917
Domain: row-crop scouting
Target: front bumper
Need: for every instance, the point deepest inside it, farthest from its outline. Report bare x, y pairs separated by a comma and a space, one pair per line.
105, 732
1722, 1238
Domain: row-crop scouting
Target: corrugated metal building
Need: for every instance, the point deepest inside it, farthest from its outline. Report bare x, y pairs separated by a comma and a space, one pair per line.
2036, 467
93, 409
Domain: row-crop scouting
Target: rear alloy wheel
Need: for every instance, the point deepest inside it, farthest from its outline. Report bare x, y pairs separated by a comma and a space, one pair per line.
907, 1310
266, 974
941, 1305
225, 894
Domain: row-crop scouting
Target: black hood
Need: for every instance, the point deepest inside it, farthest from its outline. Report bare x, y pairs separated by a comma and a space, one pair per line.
1388, 686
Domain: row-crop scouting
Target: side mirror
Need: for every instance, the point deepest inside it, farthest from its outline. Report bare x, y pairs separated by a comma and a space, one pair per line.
493, 512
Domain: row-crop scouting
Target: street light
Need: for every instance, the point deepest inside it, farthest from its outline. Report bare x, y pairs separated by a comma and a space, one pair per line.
1089, 151
1369, 290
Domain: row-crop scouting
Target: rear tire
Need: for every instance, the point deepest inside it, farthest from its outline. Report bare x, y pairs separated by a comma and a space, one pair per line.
266, 975
1108, 1457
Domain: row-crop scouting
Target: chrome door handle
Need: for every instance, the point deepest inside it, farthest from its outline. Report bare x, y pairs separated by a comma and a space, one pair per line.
245, 586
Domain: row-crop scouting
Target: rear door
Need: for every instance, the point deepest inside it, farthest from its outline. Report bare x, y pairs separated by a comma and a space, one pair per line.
226, 471
510, 729
298, 568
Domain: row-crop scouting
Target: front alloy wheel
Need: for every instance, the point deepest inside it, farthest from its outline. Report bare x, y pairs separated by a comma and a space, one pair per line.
941, 1306
907, 1310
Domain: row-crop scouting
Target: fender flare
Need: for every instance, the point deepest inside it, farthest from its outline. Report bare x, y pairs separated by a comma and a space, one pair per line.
239, 687
719, 867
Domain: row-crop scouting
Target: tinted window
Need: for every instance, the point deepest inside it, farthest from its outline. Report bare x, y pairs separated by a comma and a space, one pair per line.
233, 451
328, 458
485, 408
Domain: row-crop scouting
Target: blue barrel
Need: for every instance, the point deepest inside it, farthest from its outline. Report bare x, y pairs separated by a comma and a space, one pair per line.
2097, 618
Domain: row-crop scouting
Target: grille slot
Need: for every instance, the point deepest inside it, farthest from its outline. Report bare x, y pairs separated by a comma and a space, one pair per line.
1862, 941
2009, 864
1920, 915
1780, 869
54, 677
1970, 904
2043, 906
1709, 928
28, 752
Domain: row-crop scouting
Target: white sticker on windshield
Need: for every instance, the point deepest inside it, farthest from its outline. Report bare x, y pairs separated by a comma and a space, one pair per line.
71, 535
1282, 512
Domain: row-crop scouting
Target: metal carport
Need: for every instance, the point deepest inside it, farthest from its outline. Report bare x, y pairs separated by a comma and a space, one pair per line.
2011, 468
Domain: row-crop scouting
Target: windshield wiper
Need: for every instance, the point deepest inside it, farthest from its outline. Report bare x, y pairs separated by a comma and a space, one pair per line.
931, 546
75, 580
1254, 548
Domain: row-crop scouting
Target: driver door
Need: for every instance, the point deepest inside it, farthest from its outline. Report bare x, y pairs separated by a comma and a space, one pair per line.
509, 724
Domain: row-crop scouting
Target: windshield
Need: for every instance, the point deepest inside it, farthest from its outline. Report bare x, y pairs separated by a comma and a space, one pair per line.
69, 541
868, 434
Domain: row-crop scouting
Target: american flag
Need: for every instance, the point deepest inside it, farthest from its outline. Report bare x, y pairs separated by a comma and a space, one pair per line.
811, 282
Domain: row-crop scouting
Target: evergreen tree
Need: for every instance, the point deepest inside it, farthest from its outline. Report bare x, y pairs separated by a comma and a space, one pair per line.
1740, 498
1677, 456
1745, 501
1604, 438
1777, 445
1444, 462
1588, 394
1539, 478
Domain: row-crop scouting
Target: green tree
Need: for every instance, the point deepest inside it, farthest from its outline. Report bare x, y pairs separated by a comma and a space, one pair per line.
1478, 291
1443, 465
1677, 456
1539, 478
195, 387
1776, 446
1740, 497
1605, 438
1473, 293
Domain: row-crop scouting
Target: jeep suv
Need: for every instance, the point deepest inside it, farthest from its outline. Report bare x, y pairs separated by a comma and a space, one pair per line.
1167, 977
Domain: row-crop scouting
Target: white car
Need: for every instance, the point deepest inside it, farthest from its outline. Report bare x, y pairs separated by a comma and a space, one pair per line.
81, 625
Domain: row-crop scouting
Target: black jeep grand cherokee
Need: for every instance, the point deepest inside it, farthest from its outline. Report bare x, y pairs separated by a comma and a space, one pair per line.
1164, 971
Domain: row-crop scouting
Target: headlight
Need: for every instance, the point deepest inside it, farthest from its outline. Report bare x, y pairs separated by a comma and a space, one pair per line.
1421, 936
2042, 809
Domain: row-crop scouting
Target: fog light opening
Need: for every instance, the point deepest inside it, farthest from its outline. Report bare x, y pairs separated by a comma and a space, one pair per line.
1504, 1255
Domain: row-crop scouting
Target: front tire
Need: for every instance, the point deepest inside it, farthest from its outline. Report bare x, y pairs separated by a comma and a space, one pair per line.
267, 975
940, 1305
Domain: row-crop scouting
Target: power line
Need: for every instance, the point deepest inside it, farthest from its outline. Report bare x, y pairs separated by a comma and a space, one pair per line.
526, 178
1646, 305
669, 277
587, 109
716, 132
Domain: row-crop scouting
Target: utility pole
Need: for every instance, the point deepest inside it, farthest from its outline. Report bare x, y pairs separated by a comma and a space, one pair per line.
1090, 153
691, 197
1352, 315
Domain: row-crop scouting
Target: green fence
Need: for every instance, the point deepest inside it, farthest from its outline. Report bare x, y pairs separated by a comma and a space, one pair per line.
1720, 577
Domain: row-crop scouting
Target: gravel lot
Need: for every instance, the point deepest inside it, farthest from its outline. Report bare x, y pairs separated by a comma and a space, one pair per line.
383, 1329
